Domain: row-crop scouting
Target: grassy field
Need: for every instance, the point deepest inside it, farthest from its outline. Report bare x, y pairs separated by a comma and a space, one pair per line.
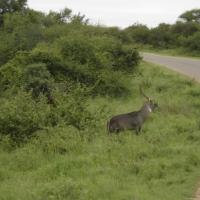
162, 163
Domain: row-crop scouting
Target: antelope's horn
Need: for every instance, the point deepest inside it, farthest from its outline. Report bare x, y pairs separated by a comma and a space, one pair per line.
141, 91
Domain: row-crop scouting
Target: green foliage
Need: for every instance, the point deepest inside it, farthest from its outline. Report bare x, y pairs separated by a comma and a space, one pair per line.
139, 33
38, 79
21, 117
21, 31
124, 58
191, 16
166, 36
10, 6
192, 43
184, 29
161, 36
54, 17
79, 50
80, 59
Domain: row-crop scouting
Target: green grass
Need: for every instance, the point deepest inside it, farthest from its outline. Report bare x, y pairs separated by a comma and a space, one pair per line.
162, 163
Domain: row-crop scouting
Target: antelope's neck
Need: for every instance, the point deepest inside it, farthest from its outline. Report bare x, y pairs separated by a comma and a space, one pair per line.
145, 111
149, 108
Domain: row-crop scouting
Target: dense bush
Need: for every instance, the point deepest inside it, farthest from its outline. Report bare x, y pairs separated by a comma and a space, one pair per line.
79, 50
51, 64
10, 6
21, 116
184, 29
38, 80
57, 73
21, 31
138, 33
161, 36
192, 43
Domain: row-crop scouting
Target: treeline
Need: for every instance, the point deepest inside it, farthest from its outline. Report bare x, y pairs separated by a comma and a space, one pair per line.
50, 64
185, 33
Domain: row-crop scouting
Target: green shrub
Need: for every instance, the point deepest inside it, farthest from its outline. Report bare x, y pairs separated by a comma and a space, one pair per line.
38, 79
79, 50
58, 59
20, 31
138, 33
48, 55
114, 55
192, 43
20, 116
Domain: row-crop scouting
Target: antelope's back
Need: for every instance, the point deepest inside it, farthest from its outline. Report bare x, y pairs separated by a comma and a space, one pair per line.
124, 121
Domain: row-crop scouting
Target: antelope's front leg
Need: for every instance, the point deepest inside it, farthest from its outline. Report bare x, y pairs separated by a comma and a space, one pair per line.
138, 130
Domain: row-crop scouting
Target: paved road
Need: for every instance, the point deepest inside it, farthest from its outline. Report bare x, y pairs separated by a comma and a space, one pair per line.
187, 66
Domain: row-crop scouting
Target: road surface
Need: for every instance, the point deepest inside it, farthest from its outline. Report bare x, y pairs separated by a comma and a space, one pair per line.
187, 66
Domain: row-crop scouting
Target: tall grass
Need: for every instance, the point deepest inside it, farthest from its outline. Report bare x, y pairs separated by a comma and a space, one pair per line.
162, 163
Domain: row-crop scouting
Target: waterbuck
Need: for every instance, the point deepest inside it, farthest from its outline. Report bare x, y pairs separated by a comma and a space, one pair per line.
133, 120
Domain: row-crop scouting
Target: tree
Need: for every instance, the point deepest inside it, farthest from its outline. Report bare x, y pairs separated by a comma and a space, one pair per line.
64, 16
191, 16
79, 19
20, 32
192, 42
161, 36
184, 29
138, 33
10, 6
